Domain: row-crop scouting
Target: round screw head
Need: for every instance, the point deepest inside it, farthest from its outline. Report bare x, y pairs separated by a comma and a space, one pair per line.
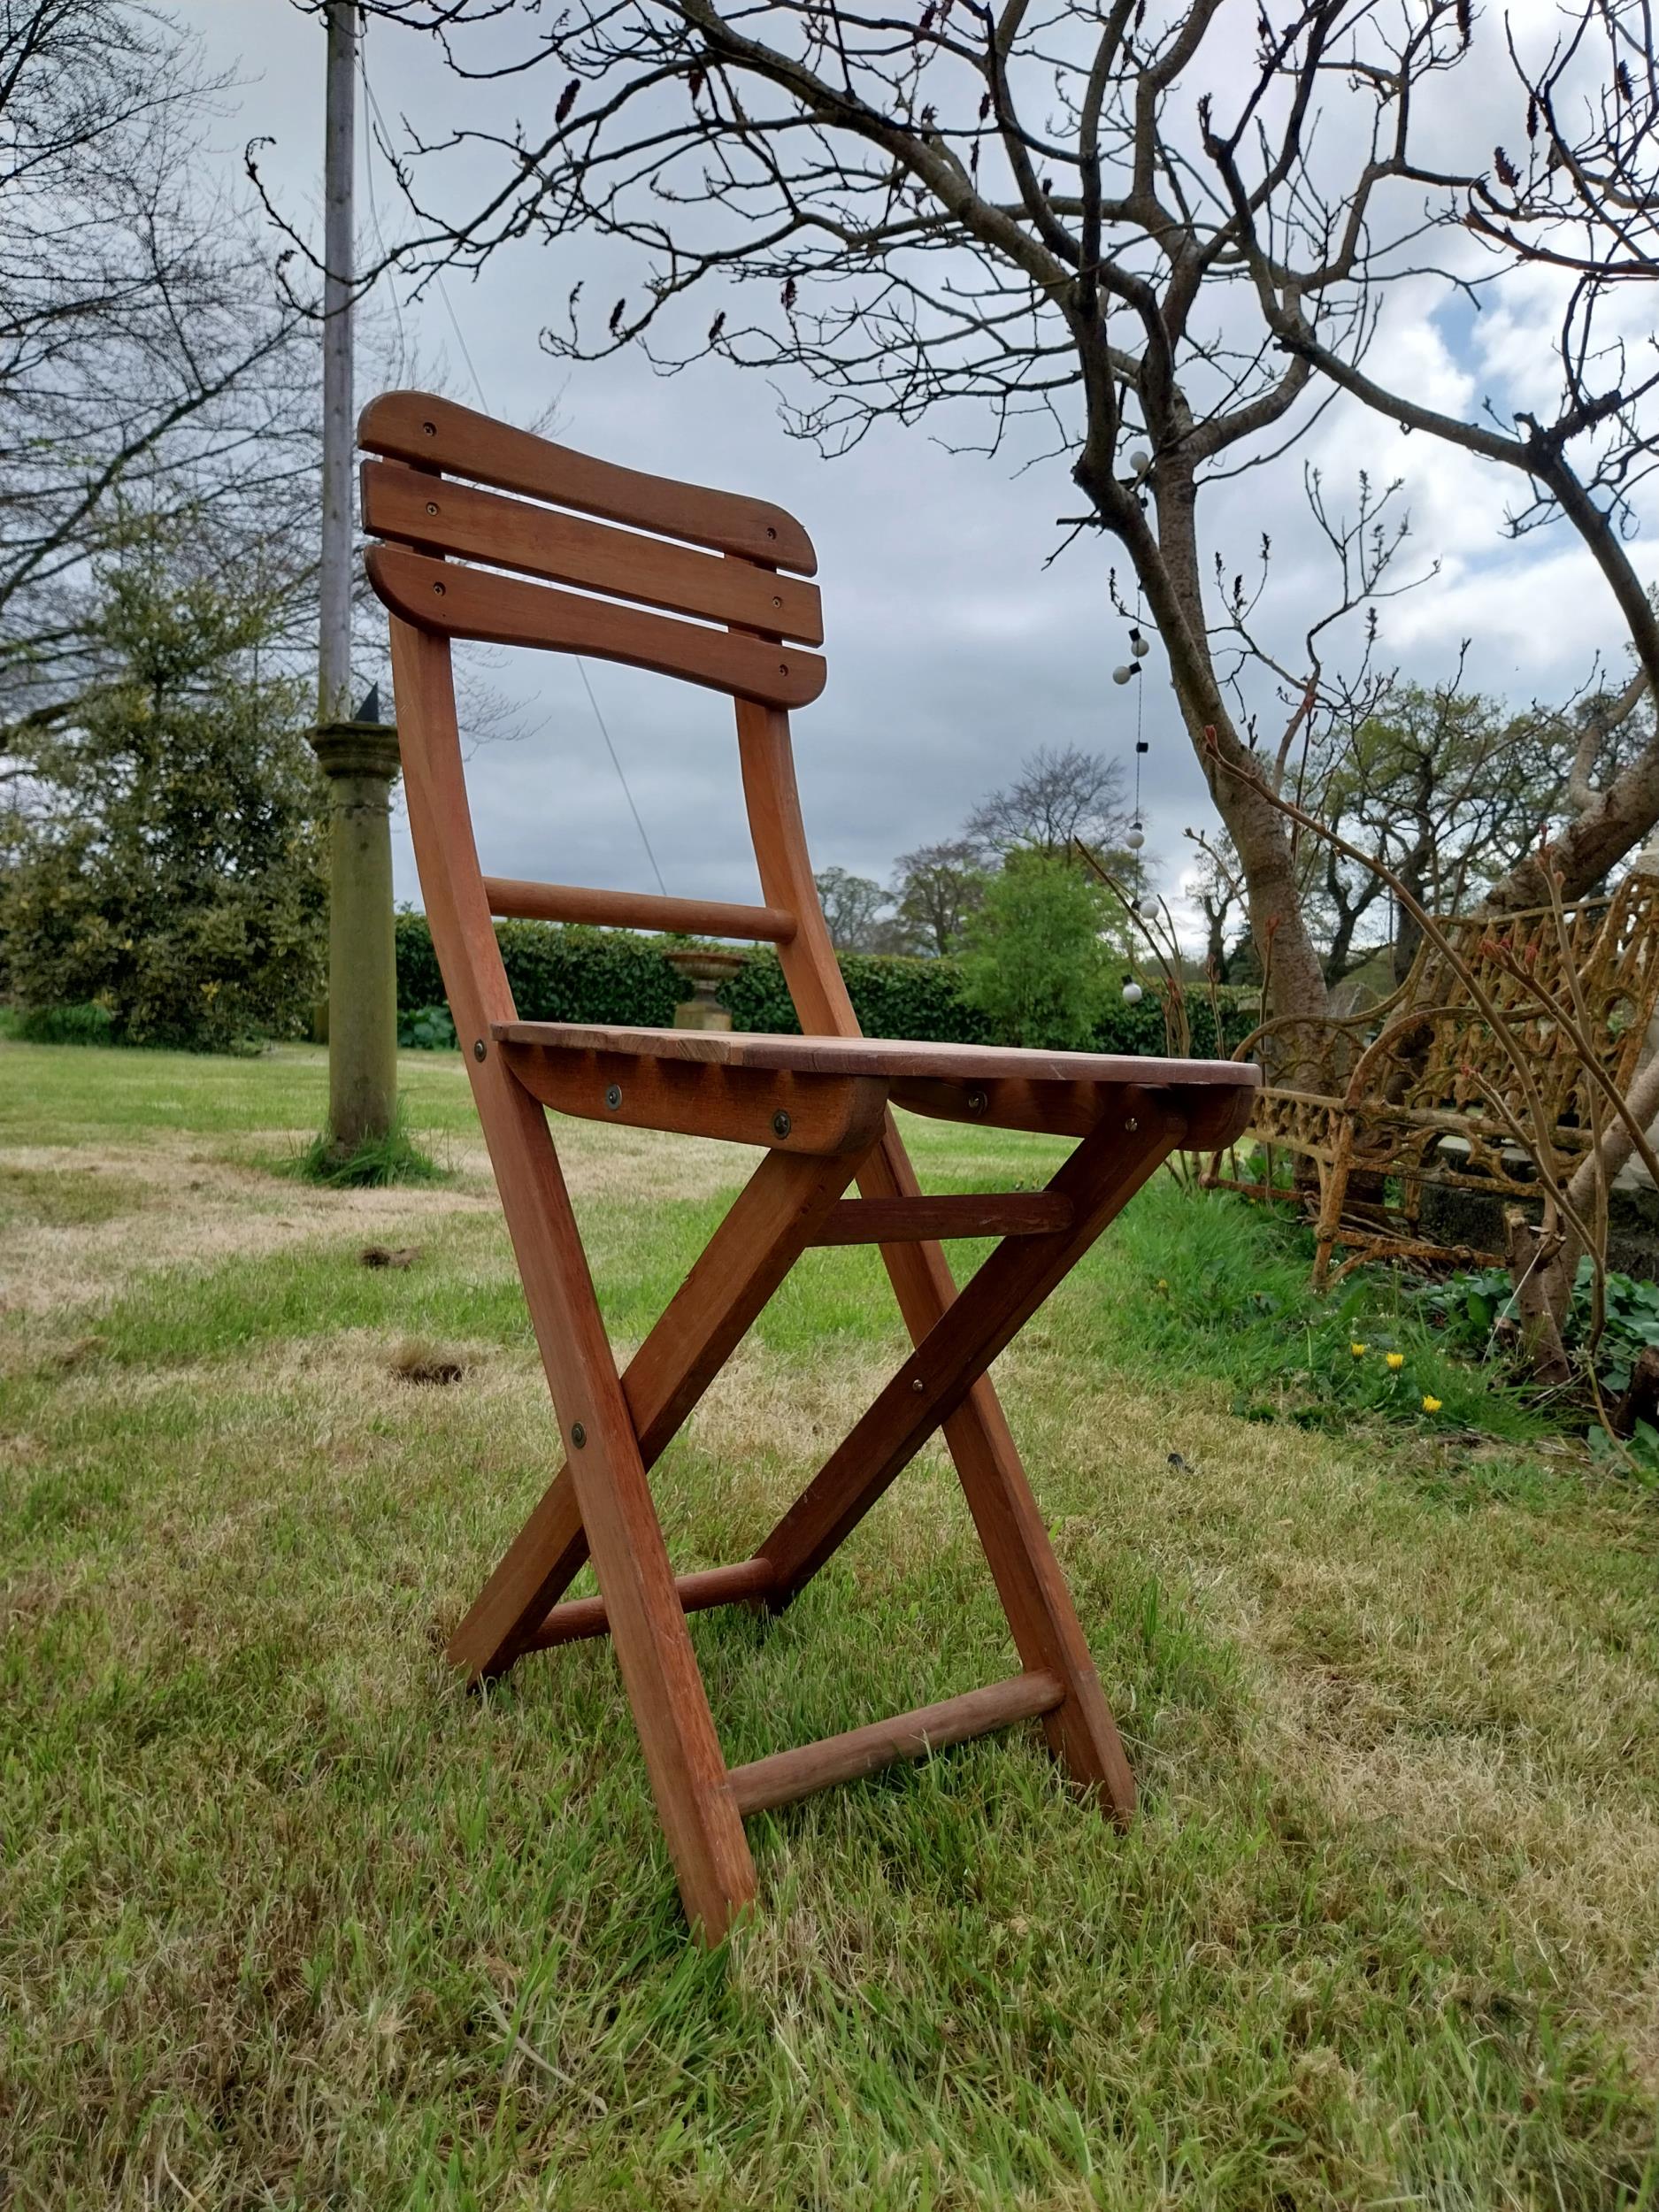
919, 1385
613, 1096
781, 1123
438, 590
1132, 1124
480, 1049
976, 1101
578, 1434
432, 506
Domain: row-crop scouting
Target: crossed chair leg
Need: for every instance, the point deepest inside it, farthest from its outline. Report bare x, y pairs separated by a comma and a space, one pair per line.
599, 1504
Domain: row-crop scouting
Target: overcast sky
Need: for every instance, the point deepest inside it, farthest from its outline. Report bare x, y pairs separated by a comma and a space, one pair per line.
952, 652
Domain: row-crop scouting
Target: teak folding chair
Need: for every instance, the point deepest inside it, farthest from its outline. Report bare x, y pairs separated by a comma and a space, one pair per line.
739, 618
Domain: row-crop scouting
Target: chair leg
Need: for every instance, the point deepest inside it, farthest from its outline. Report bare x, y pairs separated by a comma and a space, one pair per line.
775, 1216
613, 1501
1030, 1582
659, 1668
1332, 1197
958, 1335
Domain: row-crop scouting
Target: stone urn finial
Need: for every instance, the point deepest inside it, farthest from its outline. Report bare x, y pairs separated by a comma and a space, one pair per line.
705, 970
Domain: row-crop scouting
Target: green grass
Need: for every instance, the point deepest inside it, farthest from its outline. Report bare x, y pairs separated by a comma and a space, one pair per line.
290, 1919
372, 1164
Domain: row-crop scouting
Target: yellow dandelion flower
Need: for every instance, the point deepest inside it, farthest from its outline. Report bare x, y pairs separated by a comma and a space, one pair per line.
1430, 1405
1162, 1284
1396, 1360
1358, 1350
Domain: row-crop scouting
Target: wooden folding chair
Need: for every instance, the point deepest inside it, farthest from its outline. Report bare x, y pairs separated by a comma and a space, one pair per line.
740, 619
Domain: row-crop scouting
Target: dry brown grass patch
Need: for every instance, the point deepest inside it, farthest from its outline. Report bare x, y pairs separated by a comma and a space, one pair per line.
416, 1361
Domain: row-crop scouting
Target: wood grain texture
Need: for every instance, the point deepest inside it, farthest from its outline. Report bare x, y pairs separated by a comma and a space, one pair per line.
1030, 1213
494, 609
653, 1646
1042, 1617
773, 1219
802, 1113
584, 1617
818, 1102
889, 1057
786, 1776
636, 910
438, 516
433, 432
989, 1312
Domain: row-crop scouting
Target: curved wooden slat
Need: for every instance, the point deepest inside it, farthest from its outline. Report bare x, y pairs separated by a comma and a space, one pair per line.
435, 433
441, 516
472, 602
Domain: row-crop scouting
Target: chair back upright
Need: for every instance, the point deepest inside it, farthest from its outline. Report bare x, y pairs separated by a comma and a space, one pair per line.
488, 532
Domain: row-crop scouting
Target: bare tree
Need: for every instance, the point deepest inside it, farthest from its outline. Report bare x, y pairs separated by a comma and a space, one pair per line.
853, 907
1012, 209
934, 890
146, 370
1001, 207
1579, 197
1057, 796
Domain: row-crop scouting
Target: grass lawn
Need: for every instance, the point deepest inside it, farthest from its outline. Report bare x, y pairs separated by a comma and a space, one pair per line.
288, 1918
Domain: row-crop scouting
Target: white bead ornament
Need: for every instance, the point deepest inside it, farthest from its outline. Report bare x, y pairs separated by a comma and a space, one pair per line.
1136, 838
1122, 675
1137, 645
1133, 994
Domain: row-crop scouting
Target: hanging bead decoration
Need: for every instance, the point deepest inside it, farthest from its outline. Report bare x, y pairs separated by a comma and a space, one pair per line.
1136, 841
1138, 645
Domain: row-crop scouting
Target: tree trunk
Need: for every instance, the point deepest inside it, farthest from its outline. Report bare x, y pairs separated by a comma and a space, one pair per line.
1169, 571
1542, 1289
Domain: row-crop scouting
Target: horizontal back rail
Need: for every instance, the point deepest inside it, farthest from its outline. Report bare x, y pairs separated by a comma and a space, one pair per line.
470, 602
636, 910
438, 516
434, 433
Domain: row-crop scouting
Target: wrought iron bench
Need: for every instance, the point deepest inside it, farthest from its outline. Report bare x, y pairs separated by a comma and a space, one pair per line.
1379, 1108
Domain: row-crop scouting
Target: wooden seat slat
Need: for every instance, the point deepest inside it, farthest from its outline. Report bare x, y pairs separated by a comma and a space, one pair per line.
433, 432
441, 516
884, 1056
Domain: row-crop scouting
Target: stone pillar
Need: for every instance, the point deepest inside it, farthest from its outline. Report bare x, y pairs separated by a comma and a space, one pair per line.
360, 761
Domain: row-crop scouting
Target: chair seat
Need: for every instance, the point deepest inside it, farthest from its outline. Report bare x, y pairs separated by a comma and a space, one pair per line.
881, 1056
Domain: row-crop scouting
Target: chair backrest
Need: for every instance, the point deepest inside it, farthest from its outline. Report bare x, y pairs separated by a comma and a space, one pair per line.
1610, 945
488, 532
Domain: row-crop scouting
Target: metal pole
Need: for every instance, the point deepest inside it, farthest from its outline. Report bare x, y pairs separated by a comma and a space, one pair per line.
333, 670
359, 755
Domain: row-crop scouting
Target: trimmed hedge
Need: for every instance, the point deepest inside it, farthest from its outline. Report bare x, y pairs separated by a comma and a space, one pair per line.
564, 974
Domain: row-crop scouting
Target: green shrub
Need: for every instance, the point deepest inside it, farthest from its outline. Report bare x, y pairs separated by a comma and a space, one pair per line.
432, 1029
89, 1023
1035, 965
172, 873
561, 973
